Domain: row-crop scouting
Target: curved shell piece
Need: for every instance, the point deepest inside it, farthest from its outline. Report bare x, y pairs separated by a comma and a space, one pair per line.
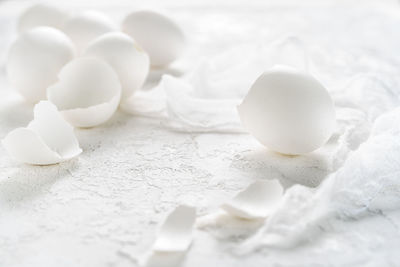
175, 235
288, 111
88, 92
35, 59
129, 61
48, 139
158, 34
41, 15
87, 26
257, 201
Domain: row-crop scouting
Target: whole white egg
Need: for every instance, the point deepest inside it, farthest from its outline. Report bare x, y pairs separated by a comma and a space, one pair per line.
87, 26
88, 92
159, 35
129, 61
288, 111
35, 59
42, 15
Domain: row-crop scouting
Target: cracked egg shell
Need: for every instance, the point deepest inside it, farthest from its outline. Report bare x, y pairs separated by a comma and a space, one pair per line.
288, 111
87, 26
129, 61
42, 15
159, 35
35, 59
48, 139
88, 92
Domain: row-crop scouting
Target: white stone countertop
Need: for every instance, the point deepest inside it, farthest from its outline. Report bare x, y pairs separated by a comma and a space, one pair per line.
104, 207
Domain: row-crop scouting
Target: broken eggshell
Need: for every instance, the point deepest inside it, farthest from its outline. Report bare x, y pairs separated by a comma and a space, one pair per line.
87, 26
48, 139
129, 61
159, 35
35, 59
42, 15
175, 235
288, 111
88, 92
257, 201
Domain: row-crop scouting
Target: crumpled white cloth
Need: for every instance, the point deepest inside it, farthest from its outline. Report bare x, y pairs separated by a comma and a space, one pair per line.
206, 100
366, 92
367, 183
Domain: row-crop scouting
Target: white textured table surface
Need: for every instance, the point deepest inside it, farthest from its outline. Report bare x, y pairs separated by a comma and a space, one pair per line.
103, 208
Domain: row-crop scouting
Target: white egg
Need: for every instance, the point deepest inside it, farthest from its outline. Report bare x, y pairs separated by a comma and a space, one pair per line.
42, 15
48, 139
159, 36
85, 27
35, 59
129, 61
87, 93
288, 111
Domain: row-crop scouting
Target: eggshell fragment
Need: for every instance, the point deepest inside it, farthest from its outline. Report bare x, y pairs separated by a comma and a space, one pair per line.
175, 234
129, 61
257, 201
159, 36
85, 27
48, 139
35, 59
42, 15
87, 93
288, 111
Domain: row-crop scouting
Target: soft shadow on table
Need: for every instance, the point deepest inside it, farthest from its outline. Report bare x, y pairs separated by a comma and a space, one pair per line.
309, 169
26, 182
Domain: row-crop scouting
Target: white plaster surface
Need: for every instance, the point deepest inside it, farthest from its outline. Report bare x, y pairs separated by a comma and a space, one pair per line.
342, 201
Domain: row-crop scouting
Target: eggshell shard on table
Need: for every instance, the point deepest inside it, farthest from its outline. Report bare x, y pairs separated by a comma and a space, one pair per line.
175, 234
159, 36
128, 60
48, 139
257, 201
42, 15
87, 26
88, 92
35, 59
288, 111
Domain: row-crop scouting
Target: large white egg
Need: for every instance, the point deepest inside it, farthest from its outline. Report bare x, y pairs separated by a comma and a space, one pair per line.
159, 36
85, 27
42, 15
35, 59
288, 111
129, 61
87, 93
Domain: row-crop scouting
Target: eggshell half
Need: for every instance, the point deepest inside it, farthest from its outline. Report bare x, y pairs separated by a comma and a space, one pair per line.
87, 26
87, 93
158, 34
35, 59
288, 111
129, 61
42, 15
48, 139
